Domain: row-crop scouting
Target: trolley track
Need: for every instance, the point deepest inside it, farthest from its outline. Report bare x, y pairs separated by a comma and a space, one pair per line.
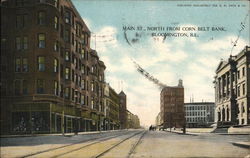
72, 144
122, 141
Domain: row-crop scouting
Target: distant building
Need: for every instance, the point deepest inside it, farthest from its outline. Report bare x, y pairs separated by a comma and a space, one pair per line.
158, 120
199, 114
114, 105
172, 106
123, 110
232, 90
133, 120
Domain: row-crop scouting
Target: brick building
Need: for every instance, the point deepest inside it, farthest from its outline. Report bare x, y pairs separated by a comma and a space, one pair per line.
51, 80
123, 110
133, 121
172, 106
232, 90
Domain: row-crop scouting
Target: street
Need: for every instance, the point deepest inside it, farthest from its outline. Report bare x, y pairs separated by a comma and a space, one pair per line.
125, 143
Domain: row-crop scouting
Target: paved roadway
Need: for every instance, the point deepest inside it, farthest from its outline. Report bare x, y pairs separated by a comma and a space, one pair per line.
131, 143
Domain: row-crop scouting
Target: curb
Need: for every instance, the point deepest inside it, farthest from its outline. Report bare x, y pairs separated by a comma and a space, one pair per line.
183, 133
241, 145
58, 134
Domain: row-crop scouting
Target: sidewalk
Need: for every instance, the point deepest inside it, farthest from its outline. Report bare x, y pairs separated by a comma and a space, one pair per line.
178, 131
57, 134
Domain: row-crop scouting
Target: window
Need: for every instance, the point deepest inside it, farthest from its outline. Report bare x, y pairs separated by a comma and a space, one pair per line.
56, 3
62, 29
56, 46
92, 86
18, 43
242, 107
3, 88
67, 36
67, 73
17, 85
56, 88
83, 100
72, 38
18, 65
238, 74
83, 69
243, 71
67, 56
72, 94
243, 89
73, 75
56, 22
41, 18
25, 65
25, 42
40, 86
56, 65
67, 93
67, 17
41, 63
92, 102
83, 84
25, 87
41, 40
19, 21
238, 91
83, 53
61, 90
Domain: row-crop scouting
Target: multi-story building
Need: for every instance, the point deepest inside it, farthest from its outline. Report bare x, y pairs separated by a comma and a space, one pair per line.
172, 106
158, 120
133, 121
123, 110
232, 90
199, 114
114, 105
51, 80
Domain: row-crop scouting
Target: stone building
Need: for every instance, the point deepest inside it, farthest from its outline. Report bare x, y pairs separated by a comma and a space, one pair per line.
232, 90
51, 80
158, 120
133, 121
123, 110
172, 106
199, 114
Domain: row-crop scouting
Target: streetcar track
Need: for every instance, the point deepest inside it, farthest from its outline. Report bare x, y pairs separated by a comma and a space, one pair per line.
60, 147
117, 144
132, 150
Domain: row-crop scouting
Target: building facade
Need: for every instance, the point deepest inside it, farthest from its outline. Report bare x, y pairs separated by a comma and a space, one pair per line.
51, 80
114, 105
123, 110
232, 90
133, 121
172, 106
199, 114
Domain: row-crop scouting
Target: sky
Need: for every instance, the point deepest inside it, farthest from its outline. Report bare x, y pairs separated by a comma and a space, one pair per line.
171, 40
